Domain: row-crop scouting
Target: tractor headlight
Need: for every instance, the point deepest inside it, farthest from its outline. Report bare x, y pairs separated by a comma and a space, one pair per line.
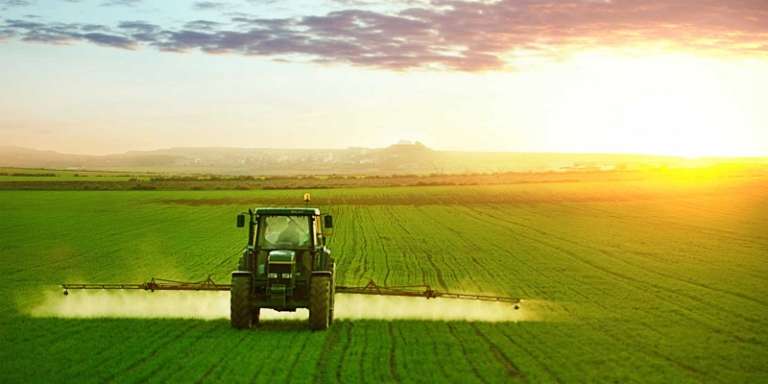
272, 275
286, 275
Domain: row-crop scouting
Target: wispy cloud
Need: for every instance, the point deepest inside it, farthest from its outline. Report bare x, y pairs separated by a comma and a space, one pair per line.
125, 3
62, 33
7, 4
209, 5
458, 35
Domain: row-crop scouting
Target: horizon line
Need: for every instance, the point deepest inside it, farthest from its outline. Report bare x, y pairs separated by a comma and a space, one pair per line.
607, 153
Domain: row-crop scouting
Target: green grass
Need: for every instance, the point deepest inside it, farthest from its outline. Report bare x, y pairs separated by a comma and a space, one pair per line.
655, 282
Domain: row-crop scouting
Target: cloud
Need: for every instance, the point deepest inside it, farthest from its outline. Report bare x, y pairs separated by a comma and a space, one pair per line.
6, 34
7, 4
63, 33
202, 25
109, 40
207, 5
448, 34
118, 3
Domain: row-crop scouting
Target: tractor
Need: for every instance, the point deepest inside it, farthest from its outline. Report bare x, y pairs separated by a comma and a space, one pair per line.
285, 265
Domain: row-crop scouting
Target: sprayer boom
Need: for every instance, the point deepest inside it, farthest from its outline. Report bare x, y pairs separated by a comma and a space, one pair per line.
156, 285
419, 291
369, 289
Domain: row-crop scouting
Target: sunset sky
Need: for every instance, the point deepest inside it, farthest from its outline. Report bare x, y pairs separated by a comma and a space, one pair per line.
681, 77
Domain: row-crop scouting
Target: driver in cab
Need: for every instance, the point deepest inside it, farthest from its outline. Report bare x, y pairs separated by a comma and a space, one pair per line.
287, 232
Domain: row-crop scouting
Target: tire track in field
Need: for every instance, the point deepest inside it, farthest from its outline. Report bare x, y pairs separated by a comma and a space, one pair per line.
74, 328
386, 260
460, 237
387, 251
637, 265
672, 303
430, 330
296, 359
467, 357
645, 351
409, 249
343, 353
574, 255
506, 362
224, 358
735, 235
110, 347
681, 227
473, 272
700, 322
528, 352
408, 240
274, 356
652, 271
693, 283
500, 264
341, 246
331, 341
392, 355
187, 350
363, 353
673, 220
152, 353
377, 222
640, 282
657, 355
363, 256
355, 254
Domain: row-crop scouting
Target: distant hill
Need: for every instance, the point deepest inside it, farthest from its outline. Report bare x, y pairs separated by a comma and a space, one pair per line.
401, 158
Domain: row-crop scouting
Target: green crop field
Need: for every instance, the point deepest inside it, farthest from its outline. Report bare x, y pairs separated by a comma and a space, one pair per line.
642, 281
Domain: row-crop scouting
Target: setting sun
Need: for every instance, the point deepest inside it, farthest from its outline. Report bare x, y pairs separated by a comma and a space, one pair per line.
669, 104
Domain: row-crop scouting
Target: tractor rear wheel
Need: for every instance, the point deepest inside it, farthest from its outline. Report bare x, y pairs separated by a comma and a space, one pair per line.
333, 302
319, 302
239, 306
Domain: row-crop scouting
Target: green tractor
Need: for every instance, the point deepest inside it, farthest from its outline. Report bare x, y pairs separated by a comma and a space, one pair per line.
285, 265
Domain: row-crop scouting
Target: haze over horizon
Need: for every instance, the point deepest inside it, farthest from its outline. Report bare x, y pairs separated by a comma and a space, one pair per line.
682, 77
358, 147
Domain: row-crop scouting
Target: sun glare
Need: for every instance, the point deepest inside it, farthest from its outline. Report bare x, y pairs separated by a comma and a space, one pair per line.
679, 105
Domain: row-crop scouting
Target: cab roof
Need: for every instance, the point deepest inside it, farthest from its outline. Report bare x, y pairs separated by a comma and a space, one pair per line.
288, 211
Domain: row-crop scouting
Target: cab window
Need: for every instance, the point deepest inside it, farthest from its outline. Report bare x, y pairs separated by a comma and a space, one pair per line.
284, 232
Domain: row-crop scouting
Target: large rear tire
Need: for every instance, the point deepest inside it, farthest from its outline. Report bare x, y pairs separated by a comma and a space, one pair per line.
319, 302
333, 301
239, 306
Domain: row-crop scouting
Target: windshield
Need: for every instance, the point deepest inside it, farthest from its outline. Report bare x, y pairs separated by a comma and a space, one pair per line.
279, 232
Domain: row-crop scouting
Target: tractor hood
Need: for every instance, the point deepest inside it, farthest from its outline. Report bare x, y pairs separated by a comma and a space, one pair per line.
282, 257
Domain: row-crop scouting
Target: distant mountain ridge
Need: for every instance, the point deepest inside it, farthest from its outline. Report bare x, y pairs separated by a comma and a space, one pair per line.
401, 158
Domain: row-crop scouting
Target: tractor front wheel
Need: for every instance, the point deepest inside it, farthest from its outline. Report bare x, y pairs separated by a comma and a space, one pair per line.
239, 311
319, 302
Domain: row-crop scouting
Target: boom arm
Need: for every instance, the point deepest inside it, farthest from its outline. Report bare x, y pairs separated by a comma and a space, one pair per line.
419, 291
371, 288
156, 285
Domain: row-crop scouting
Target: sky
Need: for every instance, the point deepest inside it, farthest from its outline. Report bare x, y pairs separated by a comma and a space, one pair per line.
680, 77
